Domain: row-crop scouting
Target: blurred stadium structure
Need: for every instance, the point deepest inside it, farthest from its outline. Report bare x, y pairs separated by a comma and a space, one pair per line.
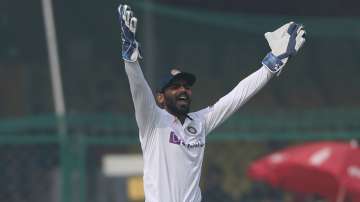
316, 97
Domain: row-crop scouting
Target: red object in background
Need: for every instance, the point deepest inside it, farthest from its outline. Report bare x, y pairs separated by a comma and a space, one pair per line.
330, 169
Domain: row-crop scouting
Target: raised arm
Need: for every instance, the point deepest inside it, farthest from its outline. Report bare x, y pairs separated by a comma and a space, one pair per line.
284, 42
231, 102
146, 110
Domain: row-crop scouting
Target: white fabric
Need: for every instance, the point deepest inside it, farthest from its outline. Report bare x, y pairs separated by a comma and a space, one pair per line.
172, 152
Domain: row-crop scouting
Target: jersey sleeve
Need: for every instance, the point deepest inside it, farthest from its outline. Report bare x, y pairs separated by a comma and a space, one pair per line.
227, 105
146, 110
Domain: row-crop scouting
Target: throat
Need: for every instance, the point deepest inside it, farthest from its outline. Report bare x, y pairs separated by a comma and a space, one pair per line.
181, 117
179, 114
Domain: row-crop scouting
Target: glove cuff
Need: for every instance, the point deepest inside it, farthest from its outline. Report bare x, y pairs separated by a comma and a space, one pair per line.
272, 62
131, 51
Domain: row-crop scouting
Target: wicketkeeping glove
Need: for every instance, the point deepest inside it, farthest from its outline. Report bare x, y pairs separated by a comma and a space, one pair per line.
130, 47
284, 43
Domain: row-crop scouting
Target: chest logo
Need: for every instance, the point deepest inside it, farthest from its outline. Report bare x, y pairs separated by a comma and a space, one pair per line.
191, 130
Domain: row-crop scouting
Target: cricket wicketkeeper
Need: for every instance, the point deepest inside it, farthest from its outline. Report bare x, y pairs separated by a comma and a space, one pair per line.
173, 138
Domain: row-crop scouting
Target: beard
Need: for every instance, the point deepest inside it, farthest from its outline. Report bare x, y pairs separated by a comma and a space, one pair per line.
178, 106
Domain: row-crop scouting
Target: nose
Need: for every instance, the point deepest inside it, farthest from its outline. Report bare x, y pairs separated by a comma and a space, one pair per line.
182, 88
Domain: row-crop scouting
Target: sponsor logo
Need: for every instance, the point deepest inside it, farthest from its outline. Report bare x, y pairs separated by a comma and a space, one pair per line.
354, 171
320, 156
277, 158
174, 139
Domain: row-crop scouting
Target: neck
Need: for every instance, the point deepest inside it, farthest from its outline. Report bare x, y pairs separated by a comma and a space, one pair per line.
180, 116
181, 119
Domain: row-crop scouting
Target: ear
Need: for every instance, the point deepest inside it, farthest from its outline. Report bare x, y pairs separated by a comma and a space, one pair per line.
160, 99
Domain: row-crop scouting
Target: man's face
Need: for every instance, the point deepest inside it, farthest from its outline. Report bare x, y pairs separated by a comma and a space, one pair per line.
177, 97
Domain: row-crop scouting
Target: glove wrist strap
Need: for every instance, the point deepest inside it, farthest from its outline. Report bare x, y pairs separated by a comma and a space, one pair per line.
131, 51
272, 62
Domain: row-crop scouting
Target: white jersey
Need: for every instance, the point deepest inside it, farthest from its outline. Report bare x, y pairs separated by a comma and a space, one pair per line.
173, 152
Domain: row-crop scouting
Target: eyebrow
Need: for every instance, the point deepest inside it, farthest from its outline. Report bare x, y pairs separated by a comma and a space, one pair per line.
180, 82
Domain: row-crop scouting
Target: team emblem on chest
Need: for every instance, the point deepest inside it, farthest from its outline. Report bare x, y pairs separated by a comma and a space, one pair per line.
191, 130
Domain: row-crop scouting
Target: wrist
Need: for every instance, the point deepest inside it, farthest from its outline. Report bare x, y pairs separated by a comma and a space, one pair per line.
272, 62
131, 51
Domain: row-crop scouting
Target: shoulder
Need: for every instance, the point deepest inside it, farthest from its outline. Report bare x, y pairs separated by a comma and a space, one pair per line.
200, 114
165, 118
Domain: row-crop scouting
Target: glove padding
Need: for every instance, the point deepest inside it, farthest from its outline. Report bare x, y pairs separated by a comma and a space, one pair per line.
130, 47
284, 42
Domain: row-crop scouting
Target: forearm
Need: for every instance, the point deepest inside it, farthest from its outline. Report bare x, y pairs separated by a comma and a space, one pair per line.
232, 101
245, 90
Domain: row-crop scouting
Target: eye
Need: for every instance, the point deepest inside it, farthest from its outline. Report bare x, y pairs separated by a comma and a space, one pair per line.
175, 86
186, 86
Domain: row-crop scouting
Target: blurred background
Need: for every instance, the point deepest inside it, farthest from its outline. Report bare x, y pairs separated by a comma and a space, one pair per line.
76, 140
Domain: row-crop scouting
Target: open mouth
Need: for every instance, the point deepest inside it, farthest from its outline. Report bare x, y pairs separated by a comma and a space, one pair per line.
183, 98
